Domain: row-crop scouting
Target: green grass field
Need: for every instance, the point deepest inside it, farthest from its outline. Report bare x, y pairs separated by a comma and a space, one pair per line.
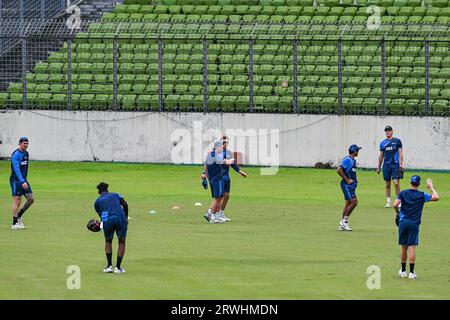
283, 241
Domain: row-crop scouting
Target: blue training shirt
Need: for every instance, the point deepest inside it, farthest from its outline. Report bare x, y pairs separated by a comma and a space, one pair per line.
108, 206
412, 205
214, 162
390, 150
19, 166
348, 165
225, 167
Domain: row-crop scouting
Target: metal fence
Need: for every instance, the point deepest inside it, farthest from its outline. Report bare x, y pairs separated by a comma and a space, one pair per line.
274, 73
25, 10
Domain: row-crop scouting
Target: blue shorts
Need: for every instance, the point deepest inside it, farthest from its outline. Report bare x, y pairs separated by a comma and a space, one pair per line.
216, 188
408, 233
349, 191
390, 172
17, 190
119, 226
226, 184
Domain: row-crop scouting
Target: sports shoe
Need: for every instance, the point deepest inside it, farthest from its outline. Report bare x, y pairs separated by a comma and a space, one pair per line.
119, 271
224, 218
207, 216
108, 269
17, 226
214, 219
20, 222
412, 275
387, 205
402, 274
341, 228
346, 226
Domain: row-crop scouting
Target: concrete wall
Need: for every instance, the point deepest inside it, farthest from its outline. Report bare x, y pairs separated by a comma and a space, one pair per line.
302, 140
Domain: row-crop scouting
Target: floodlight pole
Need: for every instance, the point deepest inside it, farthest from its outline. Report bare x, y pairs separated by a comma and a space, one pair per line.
160, 74
24, 73
427, 77
295, 65
383, 76
340, 76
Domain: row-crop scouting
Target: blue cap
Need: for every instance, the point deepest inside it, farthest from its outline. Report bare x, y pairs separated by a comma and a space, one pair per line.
354, 148
23, 139
415, 180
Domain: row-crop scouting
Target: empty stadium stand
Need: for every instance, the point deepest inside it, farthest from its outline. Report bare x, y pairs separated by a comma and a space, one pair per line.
249, 56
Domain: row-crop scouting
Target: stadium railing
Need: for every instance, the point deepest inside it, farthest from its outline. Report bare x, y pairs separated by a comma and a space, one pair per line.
334, 68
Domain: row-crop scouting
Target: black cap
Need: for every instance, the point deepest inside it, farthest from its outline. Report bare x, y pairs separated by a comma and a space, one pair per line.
23, 139
354, 148
102, 187
388, 128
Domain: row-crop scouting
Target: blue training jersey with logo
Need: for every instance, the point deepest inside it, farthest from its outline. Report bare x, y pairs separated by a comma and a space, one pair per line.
348, 165
19, 166
108, 206
390, 150
214, 162
412, 205
225, 167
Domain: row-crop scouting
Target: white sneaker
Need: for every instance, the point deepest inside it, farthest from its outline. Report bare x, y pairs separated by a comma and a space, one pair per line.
388, 204
215, 219
224, 218
108, 269
119, 271
17, 226
207, 216
412, 275
402, 274
20, 222
341, 228
346, 226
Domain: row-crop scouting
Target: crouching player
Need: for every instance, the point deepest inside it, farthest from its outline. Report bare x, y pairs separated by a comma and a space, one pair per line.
113, 211
347, 171
213, 164
408, 219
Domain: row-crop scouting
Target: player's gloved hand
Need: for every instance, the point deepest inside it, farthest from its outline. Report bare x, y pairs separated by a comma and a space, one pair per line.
401, 171
205, 184
397, 219
94, 225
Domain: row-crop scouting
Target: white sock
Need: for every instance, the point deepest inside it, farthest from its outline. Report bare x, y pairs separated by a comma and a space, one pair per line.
388, 200
210, 211
345, 219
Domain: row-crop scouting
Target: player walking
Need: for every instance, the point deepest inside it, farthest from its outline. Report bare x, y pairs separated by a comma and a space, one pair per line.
19, 183
214, 161
347, 170
113, 212
408, 220
226, 178
391, 156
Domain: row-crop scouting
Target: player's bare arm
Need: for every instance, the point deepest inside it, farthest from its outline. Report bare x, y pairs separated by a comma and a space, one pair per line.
380, 162
400, 156
341, 173
434, 195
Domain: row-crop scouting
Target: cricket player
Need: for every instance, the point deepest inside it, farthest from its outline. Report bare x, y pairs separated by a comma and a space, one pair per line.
213, 165
226, 179
19, 183
347, 171
391, 156
113, 212
408, 219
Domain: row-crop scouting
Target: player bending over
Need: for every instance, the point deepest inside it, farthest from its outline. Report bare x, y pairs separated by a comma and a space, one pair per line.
113, 211
408, 219
391, 156
213, 165
19, 183
347, 171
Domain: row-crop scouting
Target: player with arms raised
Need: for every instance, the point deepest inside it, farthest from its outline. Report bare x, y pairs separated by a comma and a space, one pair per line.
408, 220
